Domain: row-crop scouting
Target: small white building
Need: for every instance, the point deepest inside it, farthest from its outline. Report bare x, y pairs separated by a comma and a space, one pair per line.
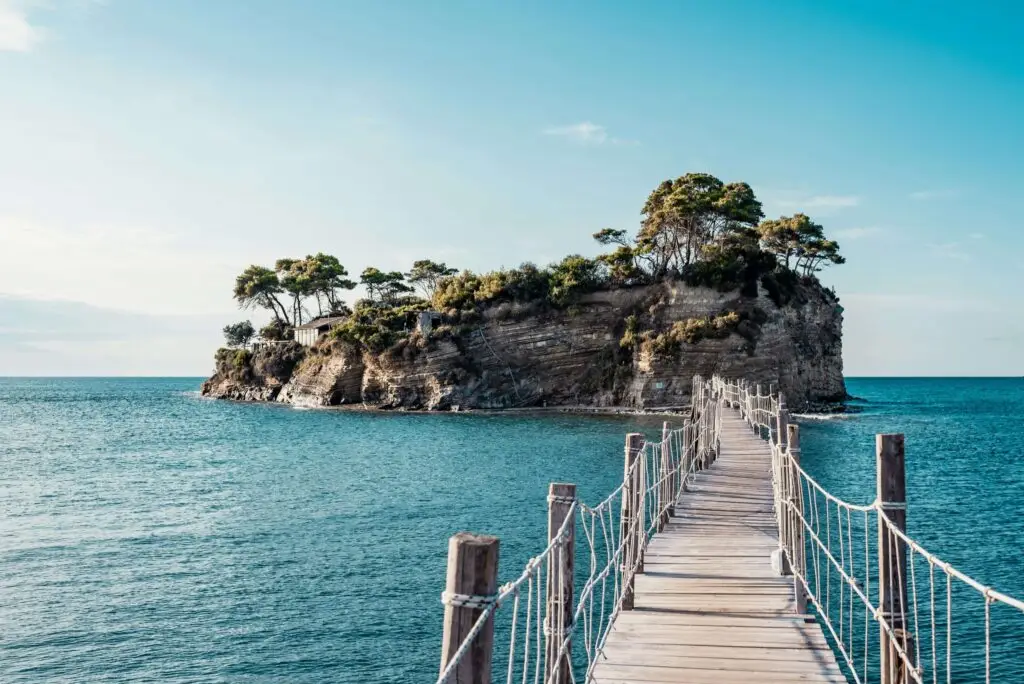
308, 333
426, 320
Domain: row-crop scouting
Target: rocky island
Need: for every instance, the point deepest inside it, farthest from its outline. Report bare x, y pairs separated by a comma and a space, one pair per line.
706, 286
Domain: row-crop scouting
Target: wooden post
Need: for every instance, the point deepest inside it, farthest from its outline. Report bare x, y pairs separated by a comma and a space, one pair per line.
561, 567
687, 448
794, 524
892, 556
472, 571
628, 536
667, 492
757, 412
783, 422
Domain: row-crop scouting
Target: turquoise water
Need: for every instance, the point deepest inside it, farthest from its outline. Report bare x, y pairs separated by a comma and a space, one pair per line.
148, 535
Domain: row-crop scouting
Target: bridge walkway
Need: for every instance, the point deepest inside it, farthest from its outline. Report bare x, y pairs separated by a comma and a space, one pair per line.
709, 608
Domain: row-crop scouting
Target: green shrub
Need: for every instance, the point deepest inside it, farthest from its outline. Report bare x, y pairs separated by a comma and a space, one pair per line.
692, 331
559, 286
376, 327
781, 285
629, 337
275, 331
241, 358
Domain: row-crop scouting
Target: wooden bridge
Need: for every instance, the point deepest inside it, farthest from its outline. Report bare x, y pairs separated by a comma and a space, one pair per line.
708, 607
719, 559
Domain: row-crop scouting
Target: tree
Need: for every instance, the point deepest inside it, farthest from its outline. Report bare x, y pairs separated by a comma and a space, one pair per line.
258, 286
239, 334
622, 263
799, 243
681, 216
326, 277
295, 281
275, 331
425, 275
572, 276
383, 287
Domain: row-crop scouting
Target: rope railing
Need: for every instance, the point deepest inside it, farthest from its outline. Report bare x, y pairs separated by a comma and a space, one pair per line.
550, 623
889, 606
885, 603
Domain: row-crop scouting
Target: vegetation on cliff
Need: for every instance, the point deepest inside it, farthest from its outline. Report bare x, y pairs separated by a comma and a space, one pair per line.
695, 228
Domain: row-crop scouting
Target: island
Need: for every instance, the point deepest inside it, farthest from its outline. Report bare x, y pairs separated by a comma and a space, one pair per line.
706, 286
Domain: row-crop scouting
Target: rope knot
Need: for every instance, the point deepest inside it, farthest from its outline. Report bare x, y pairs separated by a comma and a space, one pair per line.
475, 601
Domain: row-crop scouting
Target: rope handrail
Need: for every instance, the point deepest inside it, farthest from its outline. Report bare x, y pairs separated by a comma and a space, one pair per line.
540, 646
854, 566
817, 539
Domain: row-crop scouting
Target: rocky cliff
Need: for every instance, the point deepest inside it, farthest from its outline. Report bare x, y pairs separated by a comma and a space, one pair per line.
635, 348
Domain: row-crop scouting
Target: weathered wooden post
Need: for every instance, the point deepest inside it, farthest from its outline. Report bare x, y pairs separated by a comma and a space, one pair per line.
561, 566
472, 582
892, 558
795, 524
757, 411
627, 532
687, 449
783, 419
667, 493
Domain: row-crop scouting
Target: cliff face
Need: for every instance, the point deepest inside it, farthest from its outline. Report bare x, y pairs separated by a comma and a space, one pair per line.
571, 357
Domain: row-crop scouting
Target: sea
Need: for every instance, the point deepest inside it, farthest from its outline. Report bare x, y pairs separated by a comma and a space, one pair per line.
150, 535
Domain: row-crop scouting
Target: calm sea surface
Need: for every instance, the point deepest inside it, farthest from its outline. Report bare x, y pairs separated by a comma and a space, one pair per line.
148, 535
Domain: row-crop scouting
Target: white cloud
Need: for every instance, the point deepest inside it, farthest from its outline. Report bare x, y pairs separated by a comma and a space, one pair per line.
950, 250
931, 194
16, 33
582, 133
136, 269
976, 236
40, 337
857, 233
820, 202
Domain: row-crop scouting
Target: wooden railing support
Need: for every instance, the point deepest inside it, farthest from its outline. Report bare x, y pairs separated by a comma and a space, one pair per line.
757, 411
667, 492
687, 449
472, 571
630, 513
561, 566
892, 558
794, 524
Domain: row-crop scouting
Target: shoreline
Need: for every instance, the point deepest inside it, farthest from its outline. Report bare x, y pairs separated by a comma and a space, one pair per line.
829, 408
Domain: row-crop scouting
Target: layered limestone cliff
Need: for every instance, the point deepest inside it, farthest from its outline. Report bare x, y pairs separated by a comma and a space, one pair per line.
571, 358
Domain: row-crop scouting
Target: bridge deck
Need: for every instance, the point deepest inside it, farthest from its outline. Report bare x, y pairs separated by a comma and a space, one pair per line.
709, 607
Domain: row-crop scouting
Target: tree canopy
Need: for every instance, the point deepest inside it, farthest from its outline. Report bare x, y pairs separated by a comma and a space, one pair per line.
799, 243
383, 287
425, 275
239, 334
318, 278
696, 228
258, 287
706, 231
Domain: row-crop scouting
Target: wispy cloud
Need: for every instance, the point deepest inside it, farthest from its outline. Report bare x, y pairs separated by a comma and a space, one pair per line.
950, 250
586, 133
583, 133
976, 236
870, 302
146, 259
857, 233
820, 202
16, 33
921, 195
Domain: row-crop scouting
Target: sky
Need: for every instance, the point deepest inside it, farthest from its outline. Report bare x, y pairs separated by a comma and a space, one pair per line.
151, 150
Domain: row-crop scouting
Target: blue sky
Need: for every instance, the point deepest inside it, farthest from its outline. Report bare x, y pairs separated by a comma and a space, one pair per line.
150, 150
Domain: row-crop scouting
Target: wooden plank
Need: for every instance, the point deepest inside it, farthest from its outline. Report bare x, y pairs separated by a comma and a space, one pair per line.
709, 609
